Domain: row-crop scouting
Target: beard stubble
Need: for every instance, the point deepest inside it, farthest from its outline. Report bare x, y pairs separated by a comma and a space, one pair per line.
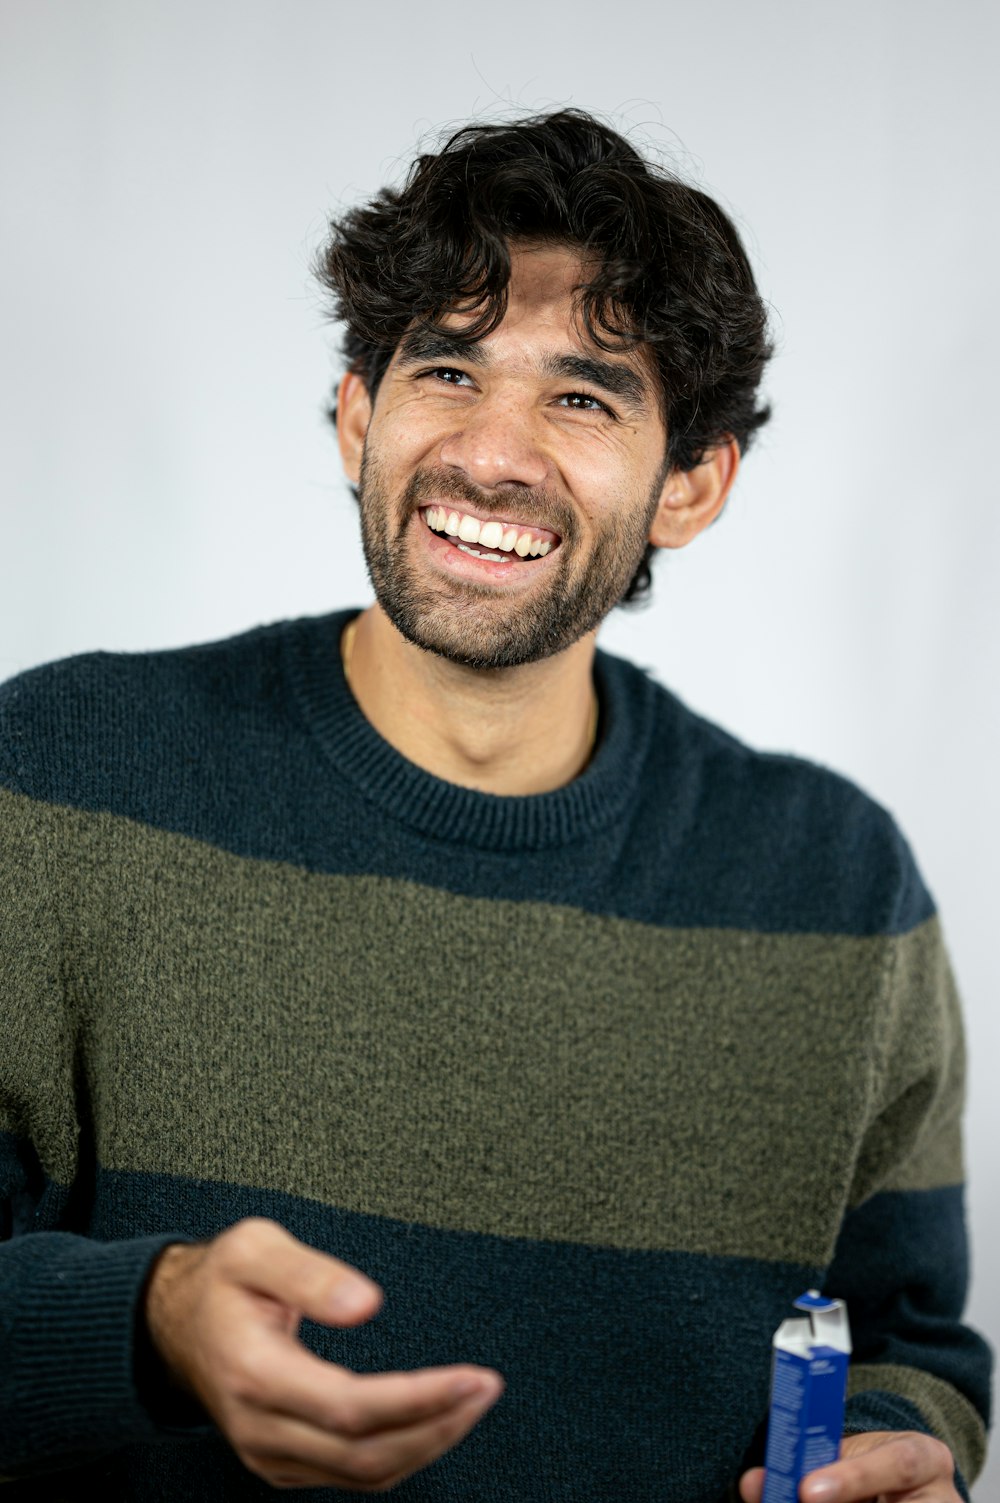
474, 624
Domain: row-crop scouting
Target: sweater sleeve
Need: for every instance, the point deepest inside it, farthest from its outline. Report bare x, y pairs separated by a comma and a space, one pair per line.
68, 1303
901, 1260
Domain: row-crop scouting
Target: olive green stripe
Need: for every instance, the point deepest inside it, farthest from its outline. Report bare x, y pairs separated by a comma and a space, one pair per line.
496, 1067
919, 1082
949, 1414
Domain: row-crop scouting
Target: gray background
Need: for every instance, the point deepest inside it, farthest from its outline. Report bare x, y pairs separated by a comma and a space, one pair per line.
165, 173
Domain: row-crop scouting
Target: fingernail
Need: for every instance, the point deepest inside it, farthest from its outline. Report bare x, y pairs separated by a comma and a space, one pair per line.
351, 1300
485, 1389
465, 1387
821, 1490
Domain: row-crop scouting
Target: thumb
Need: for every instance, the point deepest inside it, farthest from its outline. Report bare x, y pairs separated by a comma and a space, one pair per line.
752, 1485
266, 1258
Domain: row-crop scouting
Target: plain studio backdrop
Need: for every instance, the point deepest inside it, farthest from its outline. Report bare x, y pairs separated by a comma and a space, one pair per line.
167, 476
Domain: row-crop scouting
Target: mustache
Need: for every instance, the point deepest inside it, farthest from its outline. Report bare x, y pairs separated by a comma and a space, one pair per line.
526, 503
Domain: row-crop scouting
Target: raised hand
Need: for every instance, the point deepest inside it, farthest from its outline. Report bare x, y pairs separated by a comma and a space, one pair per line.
224, 1317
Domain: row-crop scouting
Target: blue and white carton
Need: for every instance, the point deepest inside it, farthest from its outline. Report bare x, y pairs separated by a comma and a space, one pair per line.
808, 1388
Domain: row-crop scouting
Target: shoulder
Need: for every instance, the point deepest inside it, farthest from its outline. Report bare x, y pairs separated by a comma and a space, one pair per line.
85, 730
772, 840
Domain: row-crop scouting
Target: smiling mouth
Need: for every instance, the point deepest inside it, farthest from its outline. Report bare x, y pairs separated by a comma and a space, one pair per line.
493, 540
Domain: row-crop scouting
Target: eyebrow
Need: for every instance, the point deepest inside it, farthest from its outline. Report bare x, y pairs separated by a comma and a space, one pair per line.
611, 376
620, 380
428, 344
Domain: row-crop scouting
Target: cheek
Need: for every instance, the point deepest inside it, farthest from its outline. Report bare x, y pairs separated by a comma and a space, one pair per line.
406, 434
413, 407
603, 477
619, 454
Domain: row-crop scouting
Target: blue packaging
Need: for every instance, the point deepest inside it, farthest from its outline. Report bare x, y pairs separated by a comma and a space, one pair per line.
808, 1388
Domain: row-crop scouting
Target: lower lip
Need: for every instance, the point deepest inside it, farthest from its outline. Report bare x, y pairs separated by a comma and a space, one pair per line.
466, 566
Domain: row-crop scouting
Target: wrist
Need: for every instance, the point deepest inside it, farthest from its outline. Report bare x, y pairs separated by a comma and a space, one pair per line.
160, 1377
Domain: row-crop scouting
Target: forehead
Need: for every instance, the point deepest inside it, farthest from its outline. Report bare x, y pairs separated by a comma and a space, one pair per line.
543, 294
543, 328
544, 279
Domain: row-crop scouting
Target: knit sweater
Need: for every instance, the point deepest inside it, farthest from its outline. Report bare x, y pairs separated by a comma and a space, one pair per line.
592, 1082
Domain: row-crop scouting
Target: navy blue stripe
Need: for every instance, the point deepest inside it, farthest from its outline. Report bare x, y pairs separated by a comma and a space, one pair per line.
908, 1311
639, 1375
593, 1342
686, 826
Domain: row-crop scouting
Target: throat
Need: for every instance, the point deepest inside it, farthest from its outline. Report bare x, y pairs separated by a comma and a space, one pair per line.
511, 732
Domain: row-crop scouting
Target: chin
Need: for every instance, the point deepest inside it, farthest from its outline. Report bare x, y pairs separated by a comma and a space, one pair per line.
464, 637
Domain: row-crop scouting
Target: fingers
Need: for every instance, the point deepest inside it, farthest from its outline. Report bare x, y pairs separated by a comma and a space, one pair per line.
262, 1256
752, 1485
907, 1465
286, 1451
203, 1301
224, 1316
288, 1380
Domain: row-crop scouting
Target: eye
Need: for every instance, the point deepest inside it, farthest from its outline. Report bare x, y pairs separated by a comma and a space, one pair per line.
582, 401
449, 374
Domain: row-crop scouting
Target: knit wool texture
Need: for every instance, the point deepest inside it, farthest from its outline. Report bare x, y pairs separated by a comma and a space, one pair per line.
594, 1083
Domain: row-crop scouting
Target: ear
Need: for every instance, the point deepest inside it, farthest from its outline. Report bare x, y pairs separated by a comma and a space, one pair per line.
692, 499
354, 413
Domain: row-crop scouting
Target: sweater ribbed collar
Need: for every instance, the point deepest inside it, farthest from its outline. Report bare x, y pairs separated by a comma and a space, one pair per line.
445, 811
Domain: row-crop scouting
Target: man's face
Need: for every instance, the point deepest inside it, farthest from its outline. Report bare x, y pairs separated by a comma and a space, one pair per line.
507, 489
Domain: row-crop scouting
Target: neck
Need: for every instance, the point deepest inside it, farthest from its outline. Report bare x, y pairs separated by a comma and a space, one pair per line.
506, 730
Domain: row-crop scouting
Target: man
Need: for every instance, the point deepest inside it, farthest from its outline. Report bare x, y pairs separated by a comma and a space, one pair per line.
426, 954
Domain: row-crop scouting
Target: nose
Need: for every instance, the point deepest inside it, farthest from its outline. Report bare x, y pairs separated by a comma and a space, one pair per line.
497, 443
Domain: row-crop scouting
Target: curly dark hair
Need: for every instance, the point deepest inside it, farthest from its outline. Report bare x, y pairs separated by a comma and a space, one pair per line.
672, 273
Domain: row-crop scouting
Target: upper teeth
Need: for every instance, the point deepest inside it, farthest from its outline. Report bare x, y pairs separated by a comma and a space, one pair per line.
507, 538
